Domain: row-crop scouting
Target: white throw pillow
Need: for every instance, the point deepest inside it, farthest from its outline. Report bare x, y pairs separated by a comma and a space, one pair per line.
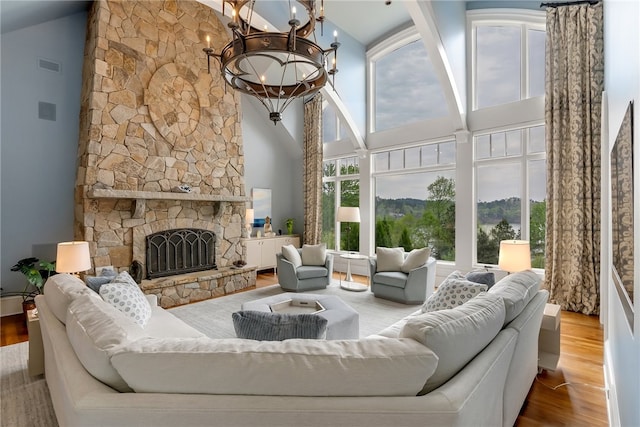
60, 290
416, 258
455, 290
314, 254
124, 294
389, 259
291, 254
457, 335
96, 330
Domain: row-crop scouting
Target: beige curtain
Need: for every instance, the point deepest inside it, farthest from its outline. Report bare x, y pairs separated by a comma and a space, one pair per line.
312, 171
574, 85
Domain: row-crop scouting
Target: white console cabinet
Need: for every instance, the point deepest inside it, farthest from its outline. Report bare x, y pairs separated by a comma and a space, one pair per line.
261, 251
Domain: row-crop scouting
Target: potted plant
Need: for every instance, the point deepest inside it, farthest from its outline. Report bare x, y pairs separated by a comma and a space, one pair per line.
36, 278
289, 223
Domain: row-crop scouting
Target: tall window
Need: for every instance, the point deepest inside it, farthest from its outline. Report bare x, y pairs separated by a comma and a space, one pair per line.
340, 187
510, 189
507, 58
415, 198
395, 102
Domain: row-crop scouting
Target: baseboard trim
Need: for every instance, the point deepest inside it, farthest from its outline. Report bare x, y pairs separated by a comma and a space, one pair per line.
10, 305
610, 389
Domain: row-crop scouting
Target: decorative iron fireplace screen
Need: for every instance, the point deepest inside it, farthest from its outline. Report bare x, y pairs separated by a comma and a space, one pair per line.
180, 251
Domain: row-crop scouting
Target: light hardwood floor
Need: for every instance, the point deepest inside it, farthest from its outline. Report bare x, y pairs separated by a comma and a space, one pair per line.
573, 395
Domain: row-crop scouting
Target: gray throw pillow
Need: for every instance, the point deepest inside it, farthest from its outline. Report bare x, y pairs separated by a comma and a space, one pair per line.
484, 277
265, 326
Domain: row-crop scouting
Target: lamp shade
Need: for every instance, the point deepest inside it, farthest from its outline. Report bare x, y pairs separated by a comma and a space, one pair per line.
73, 257
514, 256
348, 214
249, 216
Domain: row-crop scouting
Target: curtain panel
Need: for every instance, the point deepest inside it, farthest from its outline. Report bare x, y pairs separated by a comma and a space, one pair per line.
312, 171
573, 93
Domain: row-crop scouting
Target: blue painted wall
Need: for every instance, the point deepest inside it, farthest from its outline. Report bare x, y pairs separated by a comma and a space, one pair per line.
38, 157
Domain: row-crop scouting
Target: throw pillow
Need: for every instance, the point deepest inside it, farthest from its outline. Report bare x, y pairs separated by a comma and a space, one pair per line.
452, 292
291, 254
264, 326
416, 258
106, 275
314, 254
484, 277
124, 294
389, 259
456, 335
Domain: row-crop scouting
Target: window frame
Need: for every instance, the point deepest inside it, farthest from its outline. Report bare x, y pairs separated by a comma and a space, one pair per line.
523, 159
526, 19
337, 179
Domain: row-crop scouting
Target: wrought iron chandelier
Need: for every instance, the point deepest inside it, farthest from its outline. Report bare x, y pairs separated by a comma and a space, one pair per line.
275, 67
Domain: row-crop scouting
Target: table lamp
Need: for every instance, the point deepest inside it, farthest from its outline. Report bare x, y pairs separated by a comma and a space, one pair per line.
73, 257
249, 218
514, 256
348, 214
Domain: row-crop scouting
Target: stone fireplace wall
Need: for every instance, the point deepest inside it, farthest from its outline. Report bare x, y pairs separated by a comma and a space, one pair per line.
152, 118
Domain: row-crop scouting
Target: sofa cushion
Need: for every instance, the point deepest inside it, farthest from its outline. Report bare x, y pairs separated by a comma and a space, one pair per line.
311, 271
375, 367
389, 259
456, 335
484, 277
106, 275
95, 330
517, 290
291, 254
314, 254
397, 279
263, 326
164, 324
60, 290
416, 258
452, 292
124, 294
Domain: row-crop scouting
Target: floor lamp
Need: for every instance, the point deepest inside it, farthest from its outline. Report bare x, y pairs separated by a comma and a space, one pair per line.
348, 215
514, 256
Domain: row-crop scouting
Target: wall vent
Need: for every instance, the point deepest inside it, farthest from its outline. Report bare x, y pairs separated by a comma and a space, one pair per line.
49, 65
47, 111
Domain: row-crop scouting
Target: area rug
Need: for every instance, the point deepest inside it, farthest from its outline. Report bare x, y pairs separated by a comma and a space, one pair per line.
25, 401
213, 317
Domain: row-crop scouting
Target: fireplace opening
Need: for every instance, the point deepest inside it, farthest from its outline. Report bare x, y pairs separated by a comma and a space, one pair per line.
179, 251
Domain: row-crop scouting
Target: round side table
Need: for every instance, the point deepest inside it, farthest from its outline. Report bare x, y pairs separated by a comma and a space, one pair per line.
348, 284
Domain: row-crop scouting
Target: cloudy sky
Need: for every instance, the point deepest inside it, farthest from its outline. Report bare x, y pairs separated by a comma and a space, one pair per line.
499, 82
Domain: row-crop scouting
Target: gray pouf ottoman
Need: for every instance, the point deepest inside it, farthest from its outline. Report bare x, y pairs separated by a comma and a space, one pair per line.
343, 322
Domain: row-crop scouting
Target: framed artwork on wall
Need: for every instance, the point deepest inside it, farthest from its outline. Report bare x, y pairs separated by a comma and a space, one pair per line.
261, 198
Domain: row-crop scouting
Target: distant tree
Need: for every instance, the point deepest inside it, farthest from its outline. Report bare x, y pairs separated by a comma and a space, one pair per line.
503, 231
383, 233
487, 248
405, 240
537, 224
439, 217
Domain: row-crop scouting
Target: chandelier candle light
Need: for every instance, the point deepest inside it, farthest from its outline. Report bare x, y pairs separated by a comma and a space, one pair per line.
275, 67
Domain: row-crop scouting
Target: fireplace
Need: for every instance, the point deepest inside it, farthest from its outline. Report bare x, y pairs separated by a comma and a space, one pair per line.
180, 251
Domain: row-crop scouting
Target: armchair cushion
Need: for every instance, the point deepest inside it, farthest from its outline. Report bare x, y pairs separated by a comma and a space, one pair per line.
314, 254
396, 279
415, 259
292, 255
389, 259
264, 326
311, 271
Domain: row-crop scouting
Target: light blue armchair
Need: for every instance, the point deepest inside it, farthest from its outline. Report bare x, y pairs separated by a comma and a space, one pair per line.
412, 288
305, 277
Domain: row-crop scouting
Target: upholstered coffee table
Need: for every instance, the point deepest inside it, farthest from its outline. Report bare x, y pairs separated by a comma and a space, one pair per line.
343, 322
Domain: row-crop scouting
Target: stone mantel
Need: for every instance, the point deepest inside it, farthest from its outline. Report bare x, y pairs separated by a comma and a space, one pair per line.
141, 196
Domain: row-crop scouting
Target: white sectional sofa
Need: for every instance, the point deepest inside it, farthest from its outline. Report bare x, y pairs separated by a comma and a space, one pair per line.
181, 377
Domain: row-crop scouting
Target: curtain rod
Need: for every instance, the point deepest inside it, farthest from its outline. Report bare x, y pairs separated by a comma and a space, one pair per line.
570, 3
